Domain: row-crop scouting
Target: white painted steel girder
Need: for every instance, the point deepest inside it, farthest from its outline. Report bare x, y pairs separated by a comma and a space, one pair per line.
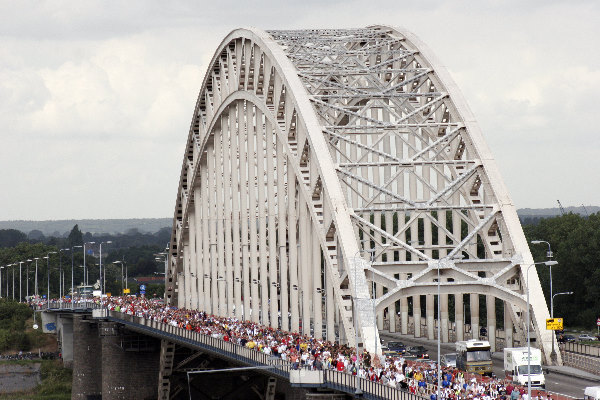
332, 173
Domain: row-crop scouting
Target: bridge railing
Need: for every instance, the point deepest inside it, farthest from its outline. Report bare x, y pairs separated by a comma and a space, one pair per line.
333, 379
57, 305
585, 349
348, 383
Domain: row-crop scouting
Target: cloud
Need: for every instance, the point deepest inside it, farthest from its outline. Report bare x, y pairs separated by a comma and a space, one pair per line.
96, 97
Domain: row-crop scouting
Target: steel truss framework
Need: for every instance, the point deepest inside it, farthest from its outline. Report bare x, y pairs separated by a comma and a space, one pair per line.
335, 174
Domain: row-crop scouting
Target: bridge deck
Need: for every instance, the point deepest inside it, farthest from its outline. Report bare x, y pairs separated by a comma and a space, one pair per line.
331, 379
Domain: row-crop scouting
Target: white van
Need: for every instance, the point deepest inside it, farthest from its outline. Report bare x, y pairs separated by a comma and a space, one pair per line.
592, 393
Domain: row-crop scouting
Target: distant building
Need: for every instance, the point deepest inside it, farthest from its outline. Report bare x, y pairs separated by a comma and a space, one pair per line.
146, 280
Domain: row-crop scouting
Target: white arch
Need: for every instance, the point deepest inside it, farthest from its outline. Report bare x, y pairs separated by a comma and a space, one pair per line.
379, 145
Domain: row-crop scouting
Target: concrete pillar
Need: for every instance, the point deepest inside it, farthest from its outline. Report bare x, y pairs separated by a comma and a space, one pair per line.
127, 374
491, 320
87, 370
392, 317
417, 315
404, 308
508, 326
429, 311
64, 329
474, 316
459, 317
444, 319
379, 294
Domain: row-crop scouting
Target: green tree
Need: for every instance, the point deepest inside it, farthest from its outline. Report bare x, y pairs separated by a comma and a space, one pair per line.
575, 241
75, 237
11, 237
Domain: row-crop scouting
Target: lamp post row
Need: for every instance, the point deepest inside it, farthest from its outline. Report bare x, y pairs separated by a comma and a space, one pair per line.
62, 285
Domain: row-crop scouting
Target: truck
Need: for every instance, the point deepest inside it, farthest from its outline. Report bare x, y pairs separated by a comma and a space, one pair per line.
515, 366
474, 356
591, 393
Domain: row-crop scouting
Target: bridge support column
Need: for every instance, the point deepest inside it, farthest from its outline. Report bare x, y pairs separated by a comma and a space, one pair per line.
128, 373
429, 312
444, 319
87, 371
508, 326
379, 293
459, 317
404, 310
392, 317
474, 316
417, 315
65, 337
491, 321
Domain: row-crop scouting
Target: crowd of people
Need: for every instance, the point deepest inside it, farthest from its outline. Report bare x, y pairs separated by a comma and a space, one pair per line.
307, 352
418, 377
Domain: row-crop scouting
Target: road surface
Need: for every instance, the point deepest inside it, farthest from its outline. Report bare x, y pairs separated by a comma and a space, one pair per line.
555, 382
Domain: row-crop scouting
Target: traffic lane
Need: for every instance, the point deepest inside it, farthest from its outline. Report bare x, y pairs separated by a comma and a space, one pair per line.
555, 382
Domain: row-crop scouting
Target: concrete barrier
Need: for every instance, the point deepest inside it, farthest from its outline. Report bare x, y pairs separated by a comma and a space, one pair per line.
306, 377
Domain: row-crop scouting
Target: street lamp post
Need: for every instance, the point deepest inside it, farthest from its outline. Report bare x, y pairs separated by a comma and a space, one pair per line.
323, 293
549, 255
73, 275
48, 270
27, 279
20, 278
221, 279
13, 280
102, 283
206, 276
548, 263
439, 339
36, 277
296, 287
552, 304
372, 252
60, 276
85, 281
358, 390
122, 264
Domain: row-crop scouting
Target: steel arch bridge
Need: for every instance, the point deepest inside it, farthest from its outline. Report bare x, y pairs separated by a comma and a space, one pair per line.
333, 181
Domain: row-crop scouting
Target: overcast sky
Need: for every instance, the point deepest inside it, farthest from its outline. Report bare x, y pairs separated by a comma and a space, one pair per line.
96, 97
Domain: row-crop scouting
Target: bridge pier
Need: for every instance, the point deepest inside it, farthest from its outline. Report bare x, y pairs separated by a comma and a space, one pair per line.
64, 330
130, 364
87, 371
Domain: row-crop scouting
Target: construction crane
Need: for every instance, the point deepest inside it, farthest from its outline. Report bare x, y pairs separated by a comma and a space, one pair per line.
562, 210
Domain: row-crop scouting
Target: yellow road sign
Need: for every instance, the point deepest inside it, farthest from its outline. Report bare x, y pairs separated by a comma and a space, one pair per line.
554, 324
125, 291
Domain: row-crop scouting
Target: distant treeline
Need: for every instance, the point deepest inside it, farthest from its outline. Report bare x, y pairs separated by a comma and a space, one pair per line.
132, 238
61, 228
575, 242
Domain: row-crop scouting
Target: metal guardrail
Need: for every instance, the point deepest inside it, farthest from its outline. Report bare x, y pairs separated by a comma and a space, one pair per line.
582, 361
57, 305
332, 379
585, 349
